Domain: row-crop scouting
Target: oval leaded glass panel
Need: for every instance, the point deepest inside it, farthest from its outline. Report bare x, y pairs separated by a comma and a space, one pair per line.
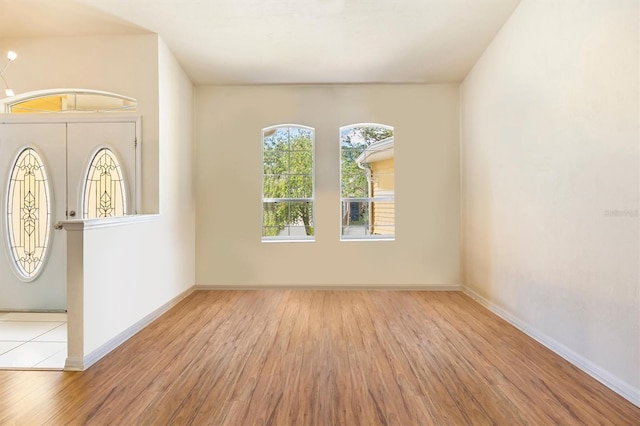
28, 213
104, 188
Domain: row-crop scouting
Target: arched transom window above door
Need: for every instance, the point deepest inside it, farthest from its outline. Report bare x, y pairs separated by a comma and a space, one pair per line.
67, 100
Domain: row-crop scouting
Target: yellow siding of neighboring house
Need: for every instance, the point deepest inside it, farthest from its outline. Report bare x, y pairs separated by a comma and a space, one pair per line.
383, 213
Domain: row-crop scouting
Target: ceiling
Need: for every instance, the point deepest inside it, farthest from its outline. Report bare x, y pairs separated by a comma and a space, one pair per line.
286, 41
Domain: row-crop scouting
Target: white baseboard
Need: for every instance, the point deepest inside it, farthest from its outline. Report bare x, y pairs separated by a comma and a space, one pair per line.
399, 287
76, 364
612, 382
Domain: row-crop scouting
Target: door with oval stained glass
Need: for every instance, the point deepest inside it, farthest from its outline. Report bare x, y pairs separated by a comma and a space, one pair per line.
33, 185
51, 172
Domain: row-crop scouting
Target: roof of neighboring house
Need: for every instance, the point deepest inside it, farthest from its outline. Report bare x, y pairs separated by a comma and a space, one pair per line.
377, 151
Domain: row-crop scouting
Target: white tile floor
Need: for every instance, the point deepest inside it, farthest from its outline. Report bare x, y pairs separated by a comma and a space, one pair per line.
33, 340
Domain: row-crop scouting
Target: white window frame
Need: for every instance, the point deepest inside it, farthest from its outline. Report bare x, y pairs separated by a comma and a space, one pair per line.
389, 198
290, 238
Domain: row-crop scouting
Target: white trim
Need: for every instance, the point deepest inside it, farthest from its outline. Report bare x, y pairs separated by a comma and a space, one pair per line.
62, 91
75, 364
374, 237
361, 287
612, 382
90, 224
380, 199
98, 117
277, 126
288, 239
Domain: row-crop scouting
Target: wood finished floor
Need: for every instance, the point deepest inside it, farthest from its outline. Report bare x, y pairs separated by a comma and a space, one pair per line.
321, 358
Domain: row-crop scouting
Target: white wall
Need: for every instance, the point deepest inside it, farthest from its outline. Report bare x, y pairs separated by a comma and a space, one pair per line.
117, 297
550, 166
177, 187
127, 65
155, 260
229, 167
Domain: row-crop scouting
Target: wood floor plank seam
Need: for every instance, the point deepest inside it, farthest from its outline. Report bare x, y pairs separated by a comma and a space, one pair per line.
313, 357
459, 346
550, 381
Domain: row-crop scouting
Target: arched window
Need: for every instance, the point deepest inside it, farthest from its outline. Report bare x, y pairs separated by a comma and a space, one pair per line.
287, 183
68, 100
28, 214
104, 193
367, 180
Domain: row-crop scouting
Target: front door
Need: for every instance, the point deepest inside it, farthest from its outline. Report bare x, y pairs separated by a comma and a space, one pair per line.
90, 170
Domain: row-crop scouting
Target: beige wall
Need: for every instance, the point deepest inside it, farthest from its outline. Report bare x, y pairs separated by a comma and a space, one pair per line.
228, 181
127, 65
550, 166
155, 256
177, 188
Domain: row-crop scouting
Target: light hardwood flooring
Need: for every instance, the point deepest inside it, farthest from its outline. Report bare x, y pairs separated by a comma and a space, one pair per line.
321, 358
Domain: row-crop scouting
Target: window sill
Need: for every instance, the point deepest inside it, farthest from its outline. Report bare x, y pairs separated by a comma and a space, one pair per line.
292, 240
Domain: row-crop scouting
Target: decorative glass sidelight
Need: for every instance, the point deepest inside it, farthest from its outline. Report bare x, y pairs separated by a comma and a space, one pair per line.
104, 187
28, 214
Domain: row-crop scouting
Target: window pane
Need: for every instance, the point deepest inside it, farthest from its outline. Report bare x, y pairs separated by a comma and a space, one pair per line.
274, 218
276, 160
274, 186
383, 215
355, 218
287, 219
367, 180
287, 184
301, 218
301, 186
300, 162
354, 184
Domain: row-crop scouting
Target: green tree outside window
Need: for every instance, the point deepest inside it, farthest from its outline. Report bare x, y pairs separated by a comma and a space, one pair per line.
287, 188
